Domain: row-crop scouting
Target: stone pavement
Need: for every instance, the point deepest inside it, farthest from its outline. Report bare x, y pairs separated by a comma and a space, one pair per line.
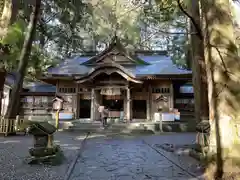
132, 158
103, 158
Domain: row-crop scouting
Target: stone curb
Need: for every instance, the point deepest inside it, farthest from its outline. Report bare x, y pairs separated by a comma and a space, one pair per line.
182, 151
72, 165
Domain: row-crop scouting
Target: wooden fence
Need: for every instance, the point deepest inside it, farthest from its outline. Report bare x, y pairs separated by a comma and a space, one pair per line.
11, 126
32, 106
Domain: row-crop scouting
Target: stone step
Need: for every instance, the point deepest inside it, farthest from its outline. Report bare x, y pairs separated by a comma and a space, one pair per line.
134, 126
110, 131
154, 128
74, 123
187, 114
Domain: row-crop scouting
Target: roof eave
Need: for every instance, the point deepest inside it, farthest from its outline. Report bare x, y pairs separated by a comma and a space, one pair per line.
164, 76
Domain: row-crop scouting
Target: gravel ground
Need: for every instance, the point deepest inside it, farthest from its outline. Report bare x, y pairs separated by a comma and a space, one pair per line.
14, 151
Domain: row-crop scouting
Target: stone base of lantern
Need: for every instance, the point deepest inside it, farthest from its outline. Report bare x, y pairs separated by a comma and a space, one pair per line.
42, 155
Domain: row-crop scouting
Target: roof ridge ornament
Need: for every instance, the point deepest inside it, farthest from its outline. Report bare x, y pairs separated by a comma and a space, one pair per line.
115, 40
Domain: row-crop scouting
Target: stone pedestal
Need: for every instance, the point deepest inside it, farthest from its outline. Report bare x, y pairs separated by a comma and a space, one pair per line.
44, 151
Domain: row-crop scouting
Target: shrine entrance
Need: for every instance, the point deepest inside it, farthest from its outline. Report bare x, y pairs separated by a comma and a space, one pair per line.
112, 103
84, 106
113, 99
139, 109
110, 86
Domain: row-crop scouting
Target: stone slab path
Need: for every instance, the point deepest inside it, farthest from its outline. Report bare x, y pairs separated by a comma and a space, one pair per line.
102, 158
129, 159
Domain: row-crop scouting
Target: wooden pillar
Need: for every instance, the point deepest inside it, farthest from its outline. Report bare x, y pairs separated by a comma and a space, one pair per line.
171, 95
97, 103
75, 102
149, 103
128, 104
93, 104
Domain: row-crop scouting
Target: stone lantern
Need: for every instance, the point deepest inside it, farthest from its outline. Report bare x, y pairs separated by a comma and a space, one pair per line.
58, 103
57, 106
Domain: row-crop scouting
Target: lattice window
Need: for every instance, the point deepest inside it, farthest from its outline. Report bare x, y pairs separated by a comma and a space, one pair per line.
27, 101
67, 90
163, 90
37, 101
80, 89
41, 101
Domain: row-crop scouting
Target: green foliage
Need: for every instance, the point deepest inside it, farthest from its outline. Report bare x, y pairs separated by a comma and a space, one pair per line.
178, 50
80, 27
38, 61
66, 28
15, 38
169, 14
119, 17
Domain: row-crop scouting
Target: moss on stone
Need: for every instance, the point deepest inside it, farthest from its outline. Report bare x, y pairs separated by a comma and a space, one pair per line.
51, 156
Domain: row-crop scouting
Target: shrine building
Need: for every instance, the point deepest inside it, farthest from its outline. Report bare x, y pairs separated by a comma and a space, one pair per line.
133, 86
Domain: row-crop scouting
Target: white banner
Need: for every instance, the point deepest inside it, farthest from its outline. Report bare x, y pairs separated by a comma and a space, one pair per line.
111, 91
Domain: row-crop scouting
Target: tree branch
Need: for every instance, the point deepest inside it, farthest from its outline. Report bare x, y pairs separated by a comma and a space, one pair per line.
198, 29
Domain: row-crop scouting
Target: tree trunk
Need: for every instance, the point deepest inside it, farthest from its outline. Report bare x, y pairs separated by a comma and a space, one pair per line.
198, 68
23, 62
8, 15
5, 17
15, 8
222, 65
189, 48
2, 81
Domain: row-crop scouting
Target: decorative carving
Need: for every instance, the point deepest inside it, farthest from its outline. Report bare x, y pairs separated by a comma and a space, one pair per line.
111, 68
161, 98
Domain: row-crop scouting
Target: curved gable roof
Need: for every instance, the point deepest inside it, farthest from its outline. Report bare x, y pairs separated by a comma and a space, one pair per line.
115, 48
109, 69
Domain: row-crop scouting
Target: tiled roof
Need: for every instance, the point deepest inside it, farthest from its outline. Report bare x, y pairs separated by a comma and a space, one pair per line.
32, 87
71, 66
159, 65
40, 87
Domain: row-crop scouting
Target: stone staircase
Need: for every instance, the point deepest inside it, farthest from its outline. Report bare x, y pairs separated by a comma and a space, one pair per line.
96, 127
133, 127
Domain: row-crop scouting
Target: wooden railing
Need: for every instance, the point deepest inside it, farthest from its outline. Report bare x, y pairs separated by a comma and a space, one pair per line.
10, 126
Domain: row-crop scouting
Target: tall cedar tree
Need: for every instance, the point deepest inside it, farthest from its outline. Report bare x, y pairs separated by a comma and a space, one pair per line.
23, 62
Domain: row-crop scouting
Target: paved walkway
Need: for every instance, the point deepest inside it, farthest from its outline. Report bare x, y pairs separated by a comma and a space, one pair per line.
112, 158
129, 159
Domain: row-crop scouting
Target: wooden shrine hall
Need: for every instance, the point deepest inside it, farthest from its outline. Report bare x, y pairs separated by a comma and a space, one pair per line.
132, 85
